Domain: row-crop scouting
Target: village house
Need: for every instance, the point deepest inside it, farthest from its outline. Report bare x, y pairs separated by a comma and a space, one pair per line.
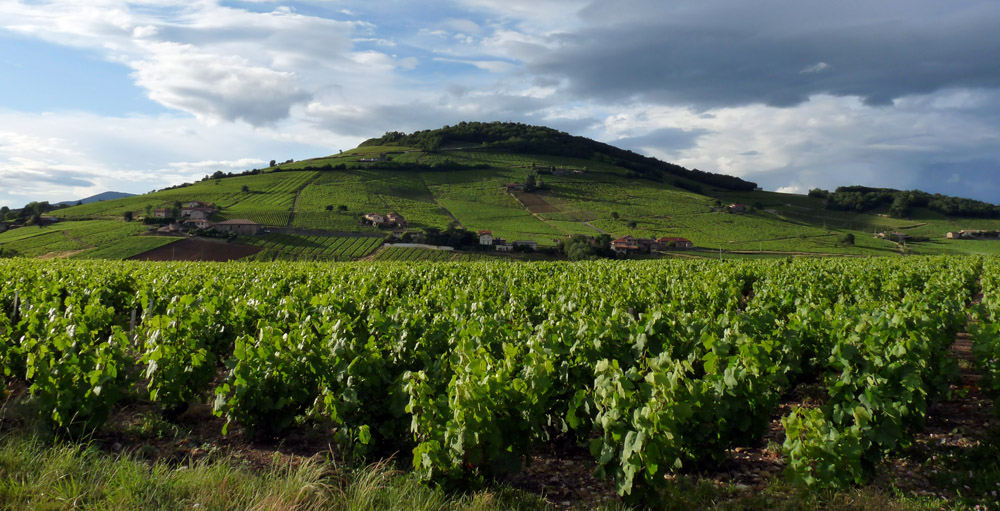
197, 223
381, 157
505, 247
239, 226
974, 234
530, 245
395, 219
200, 204
485, 237
670, 242
630, 244
392, 219
737, 208
376, 219
161, 213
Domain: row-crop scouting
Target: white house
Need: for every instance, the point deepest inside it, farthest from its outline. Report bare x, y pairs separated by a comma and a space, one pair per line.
486, 237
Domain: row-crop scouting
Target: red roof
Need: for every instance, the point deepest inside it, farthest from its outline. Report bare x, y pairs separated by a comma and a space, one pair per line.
485, 232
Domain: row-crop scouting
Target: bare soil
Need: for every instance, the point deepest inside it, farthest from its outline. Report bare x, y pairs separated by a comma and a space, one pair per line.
535, 203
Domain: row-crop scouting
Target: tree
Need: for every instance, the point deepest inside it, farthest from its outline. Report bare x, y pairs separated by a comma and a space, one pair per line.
79, 203
218, 174
847, 239
127, 216
149, 210
632, 224
531, 182
245, 189
615, 215
272, 163
329, 207
341, 208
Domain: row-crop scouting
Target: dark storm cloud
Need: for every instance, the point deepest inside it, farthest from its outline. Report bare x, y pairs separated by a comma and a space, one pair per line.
665, 139
722, 53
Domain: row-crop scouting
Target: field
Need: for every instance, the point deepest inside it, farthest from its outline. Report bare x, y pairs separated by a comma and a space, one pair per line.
415, 254
299, 247
827, 370
95, 239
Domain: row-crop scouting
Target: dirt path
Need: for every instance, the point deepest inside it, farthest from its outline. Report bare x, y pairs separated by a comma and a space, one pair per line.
295, 201
438, 204
598, 229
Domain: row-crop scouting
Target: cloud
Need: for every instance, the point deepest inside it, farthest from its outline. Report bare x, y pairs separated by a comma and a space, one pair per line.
65, 156
664, 139
815, 68
215, 62
726, 52
791, 189
494, 66
217, 88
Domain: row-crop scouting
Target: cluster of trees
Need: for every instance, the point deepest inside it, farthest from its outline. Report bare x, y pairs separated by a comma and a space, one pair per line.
581, 247
901, 202
30, 214
523, 138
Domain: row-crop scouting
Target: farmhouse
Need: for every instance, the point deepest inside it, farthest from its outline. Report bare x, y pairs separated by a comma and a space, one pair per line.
505, 247
629, 244
667, 243
392, 219
530, 245
974, 234
737, 208
161, 213
197, 223
485, 237
395, 219
375, 219
381, 157
239, 226
197, 212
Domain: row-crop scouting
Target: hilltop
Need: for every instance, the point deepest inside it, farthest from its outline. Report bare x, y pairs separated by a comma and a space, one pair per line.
97, 198
473, 176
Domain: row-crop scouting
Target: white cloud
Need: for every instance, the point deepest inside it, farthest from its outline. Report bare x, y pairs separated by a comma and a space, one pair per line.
791, 189
66, 156
815, 68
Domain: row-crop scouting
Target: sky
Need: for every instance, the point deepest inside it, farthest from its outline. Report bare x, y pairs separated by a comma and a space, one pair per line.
99, 95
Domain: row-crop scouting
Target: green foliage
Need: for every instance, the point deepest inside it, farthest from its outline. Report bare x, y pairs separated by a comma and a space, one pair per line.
655, 367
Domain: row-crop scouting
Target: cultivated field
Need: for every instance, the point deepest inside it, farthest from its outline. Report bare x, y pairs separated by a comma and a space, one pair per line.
827, 370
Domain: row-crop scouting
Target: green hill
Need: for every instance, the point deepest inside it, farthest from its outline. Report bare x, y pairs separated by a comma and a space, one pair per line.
458, 175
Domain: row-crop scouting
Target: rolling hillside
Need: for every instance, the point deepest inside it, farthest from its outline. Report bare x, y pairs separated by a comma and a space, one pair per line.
458, 176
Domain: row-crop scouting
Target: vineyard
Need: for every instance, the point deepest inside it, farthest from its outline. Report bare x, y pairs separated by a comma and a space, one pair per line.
423, 254
654, 368
299, 247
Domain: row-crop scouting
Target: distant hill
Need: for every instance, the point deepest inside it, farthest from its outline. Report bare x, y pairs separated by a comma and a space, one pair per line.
98, 198
522, 183
523, 138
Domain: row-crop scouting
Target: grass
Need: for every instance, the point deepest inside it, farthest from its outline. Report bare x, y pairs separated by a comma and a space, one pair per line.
35, 475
